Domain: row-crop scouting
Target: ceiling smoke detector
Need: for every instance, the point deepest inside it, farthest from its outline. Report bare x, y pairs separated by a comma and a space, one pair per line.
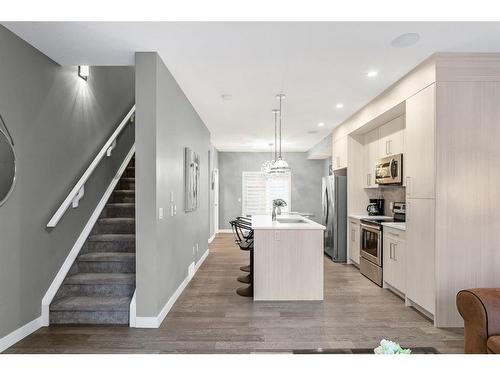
405, 40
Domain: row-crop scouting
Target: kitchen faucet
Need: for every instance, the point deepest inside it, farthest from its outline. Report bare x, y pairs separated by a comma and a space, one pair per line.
277, 204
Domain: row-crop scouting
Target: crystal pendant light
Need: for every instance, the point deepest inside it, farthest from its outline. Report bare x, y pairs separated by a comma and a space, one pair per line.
280, 166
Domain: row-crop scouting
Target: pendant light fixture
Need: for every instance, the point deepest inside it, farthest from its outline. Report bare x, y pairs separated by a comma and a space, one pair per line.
280, 166
267, 165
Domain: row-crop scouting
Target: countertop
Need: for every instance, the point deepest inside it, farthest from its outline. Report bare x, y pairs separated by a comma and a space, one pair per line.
395, 225
366, 216
265, 222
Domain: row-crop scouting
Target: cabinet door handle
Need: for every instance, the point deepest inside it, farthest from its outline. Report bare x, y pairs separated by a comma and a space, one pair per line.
394, 251
387, 147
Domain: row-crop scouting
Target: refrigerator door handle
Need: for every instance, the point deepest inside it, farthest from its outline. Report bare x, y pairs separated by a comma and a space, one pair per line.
327, 205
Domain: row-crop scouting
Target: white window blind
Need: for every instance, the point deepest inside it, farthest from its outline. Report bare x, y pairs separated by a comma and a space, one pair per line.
260, 189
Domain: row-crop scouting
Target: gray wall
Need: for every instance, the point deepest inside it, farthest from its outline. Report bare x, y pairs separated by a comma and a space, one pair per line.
306, 182
166, 124
58, 122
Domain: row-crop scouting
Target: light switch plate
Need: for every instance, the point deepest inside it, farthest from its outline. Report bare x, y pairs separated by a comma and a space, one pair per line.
160, 213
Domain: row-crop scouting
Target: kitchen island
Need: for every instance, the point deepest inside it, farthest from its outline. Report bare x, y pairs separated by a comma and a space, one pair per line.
288, 258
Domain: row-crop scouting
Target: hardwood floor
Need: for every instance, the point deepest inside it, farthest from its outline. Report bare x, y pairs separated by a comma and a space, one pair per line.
210, 317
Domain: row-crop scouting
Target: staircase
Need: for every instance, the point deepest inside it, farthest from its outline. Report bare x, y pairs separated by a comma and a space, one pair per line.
100, 284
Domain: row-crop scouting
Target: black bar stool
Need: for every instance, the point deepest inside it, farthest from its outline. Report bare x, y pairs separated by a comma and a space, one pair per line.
245, 243
247, 221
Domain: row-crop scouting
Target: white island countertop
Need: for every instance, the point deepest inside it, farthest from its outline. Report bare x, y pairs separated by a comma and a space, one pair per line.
266, 222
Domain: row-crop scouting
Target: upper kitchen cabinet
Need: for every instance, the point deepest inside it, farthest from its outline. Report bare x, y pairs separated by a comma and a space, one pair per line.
419, 158
372, 154
392, 139
339, 153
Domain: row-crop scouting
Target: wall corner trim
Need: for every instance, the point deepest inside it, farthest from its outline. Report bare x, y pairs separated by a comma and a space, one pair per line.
20, 333
63, 271
155, 321
133, 311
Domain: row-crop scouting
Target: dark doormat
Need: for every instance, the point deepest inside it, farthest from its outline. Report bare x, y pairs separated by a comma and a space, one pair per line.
416, 350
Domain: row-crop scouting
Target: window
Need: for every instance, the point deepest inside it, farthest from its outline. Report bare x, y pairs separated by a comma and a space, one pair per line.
259, 190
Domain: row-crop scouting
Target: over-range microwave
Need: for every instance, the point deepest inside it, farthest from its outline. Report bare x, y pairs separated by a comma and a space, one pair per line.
389, 170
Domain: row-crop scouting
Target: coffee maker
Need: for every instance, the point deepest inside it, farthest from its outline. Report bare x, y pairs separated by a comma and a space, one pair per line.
375, 207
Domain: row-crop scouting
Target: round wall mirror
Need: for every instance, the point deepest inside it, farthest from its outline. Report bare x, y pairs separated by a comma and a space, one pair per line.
7, 167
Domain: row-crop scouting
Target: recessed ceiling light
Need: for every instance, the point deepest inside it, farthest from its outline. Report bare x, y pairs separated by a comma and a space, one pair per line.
339, 105
405, 40
226, 96
372, 73
312, 132
321, 124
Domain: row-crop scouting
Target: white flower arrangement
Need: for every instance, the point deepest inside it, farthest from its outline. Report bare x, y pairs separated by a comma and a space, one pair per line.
390, 347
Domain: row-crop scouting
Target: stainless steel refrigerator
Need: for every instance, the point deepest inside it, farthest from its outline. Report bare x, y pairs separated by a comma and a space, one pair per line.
335, 217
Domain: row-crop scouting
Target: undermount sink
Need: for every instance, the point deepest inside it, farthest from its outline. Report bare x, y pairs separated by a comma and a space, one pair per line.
291, 220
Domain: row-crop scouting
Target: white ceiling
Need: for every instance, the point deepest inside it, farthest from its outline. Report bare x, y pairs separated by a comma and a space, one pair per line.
315, 64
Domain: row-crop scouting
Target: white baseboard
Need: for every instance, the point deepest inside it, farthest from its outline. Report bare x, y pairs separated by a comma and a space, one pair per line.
212, 238
155, 321
20, 333
225, 231
202, 259
63, 271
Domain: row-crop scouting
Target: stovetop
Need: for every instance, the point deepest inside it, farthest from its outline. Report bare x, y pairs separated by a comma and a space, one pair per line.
380, 221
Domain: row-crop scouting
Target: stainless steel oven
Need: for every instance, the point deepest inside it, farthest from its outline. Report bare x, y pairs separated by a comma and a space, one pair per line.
389, 170
370, 262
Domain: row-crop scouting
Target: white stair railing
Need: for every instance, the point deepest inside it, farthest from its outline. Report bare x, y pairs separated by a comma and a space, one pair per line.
78, 190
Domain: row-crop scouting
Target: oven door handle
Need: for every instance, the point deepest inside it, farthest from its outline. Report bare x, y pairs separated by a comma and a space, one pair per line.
371, 228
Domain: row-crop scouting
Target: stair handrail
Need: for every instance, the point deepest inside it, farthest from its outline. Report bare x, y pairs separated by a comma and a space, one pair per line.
78, 190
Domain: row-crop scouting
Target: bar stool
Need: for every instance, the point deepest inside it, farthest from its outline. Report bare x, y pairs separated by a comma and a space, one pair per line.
245, 243
247, 221
240, 235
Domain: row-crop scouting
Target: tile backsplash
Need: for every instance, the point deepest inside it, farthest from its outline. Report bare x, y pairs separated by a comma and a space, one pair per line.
389, 194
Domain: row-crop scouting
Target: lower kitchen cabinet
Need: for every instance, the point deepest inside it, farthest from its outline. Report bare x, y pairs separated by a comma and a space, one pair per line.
354, 238
394, 255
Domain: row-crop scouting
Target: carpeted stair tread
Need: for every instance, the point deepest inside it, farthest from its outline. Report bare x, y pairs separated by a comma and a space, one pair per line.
101, 279
109, 237
120, 204
107, 257
91, 304
116, 220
